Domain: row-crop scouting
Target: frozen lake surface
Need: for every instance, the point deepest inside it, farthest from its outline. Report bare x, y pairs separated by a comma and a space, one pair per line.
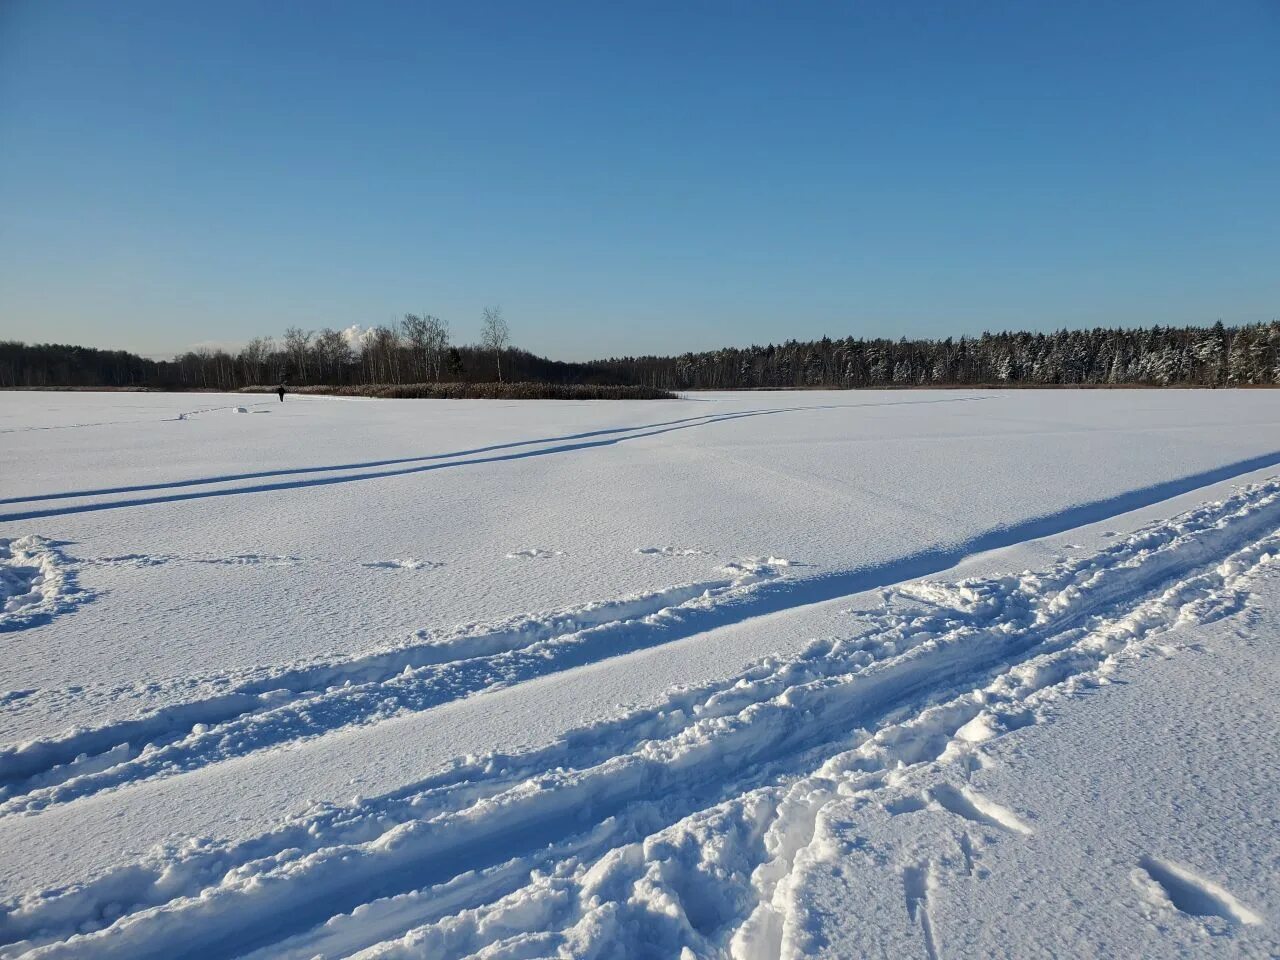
926, 673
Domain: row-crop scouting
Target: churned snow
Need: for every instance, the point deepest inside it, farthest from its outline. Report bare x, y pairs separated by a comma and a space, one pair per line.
926, 674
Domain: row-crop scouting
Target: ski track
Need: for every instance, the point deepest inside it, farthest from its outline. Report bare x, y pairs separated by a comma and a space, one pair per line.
635, 429
173, 492
367, 464
36, 773
167, 492
284, 706
183, 416
689, 824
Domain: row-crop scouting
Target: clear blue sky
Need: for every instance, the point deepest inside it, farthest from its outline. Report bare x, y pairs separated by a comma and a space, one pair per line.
646, 177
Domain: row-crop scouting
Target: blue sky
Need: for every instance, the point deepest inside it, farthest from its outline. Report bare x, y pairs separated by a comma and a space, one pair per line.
625, 178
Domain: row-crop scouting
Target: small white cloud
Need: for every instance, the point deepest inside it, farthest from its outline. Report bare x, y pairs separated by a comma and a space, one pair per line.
356, 336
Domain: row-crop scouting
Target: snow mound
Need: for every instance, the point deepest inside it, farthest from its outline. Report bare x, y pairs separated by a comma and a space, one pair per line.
756, 566
403, 563
671, 552
534, 553
36, 582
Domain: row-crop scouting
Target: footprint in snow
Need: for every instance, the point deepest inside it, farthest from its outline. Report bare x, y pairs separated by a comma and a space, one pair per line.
973, 806
671, 551
406, 563
534, 553
1164, 884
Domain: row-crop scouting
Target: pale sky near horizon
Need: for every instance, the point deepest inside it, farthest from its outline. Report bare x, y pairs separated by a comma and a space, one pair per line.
634, 178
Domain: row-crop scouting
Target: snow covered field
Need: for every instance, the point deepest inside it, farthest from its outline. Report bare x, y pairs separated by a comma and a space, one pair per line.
910, 674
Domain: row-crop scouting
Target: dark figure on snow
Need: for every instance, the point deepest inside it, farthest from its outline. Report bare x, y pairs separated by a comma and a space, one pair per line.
280, 390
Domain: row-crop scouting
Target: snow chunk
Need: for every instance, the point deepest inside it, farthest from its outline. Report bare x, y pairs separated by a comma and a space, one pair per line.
36, 582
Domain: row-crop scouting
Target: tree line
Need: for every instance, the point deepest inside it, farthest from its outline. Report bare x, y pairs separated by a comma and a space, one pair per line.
1210, 356
419, 350
416, 350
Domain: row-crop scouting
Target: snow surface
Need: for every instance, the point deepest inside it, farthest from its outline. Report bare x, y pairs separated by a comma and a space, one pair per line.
925, 674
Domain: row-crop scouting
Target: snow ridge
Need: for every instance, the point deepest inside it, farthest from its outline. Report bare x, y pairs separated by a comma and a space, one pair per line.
683, 826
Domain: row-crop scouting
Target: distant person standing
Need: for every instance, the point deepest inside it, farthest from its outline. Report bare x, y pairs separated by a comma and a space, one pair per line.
280, 390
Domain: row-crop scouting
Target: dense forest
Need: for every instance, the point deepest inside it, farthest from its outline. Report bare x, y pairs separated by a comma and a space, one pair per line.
1156, 356
418, 351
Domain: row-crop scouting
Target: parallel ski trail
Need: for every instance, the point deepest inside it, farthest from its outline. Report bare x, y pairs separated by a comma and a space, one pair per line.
295, 479
311, 701
338, 467
967, 661
282, 707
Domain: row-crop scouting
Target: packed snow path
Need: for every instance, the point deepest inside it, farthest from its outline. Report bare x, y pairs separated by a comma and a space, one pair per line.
836, 794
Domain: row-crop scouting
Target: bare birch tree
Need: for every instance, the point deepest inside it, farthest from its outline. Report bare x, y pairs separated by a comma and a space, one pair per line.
494, 334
